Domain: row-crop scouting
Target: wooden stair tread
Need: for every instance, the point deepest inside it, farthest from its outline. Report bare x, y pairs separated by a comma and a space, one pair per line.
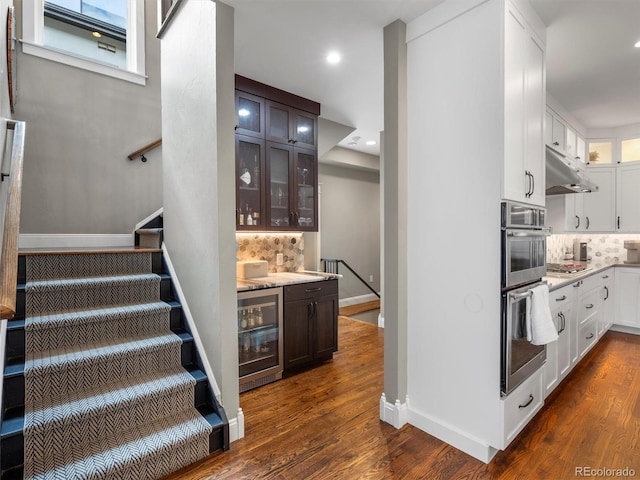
85, 250
360, 308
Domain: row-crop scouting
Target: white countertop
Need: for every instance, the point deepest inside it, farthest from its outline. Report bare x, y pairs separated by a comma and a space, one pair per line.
283, 278
558, 282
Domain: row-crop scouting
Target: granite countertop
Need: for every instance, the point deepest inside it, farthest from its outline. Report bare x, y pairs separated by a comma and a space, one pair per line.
556, 283
283, 278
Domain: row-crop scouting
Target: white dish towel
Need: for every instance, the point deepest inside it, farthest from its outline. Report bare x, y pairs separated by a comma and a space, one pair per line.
540, 327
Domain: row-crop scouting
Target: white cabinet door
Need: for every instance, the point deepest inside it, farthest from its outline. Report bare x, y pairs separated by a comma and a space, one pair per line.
548, 127
581, 152
559, 132
628, 198
627, 298
571, 146
524, 173
599, 208
608, 301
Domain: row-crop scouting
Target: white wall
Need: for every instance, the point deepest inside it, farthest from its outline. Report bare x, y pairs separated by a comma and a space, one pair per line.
80, 128
350, 224
199, 199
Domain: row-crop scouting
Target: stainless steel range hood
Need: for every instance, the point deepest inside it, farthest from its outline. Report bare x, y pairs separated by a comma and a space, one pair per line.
563, 178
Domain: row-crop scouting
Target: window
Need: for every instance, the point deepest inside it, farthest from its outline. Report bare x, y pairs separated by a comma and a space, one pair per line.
630, 150
104, 37
600, 152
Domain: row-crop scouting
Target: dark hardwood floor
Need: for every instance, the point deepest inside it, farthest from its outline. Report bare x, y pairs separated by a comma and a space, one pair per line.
324, 424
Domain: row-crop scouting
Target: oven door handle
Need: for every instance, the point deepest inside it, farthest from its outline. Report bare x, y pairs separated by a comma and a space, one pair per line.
520, 296
545, 232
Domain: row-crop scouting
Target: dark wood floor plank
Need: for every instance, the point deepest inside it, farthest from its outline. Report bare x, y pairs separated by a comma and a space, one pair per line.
324, 424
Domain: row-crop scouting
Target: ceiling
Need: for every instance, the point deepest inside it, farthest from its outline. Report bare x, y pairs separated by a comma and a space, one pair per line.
592, 68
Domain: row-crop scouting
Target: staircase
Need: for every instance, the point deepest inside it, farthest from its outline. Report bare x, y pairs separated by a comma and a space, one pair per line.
102, 378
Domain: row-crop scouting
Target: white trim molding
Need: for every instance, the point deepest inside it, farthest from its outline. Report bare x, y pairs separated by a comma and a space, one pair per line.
141, 223
453, 436
380, 320
236, 427
344, 302
395, 414
55, 240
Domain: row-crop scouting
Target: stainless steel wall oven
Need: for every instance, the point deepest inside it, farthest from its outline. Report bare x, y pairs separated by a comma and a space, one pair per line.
524, 247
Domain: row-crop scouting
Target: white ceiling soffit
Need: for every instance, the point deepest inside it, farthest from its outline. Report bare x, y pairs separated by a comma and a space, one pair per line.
330, 133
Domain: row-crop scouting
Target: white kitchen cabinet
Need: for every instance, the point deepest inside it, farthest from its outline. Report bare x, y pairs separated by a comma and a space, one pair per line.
581, 152
627, 297
571, 146
593, 211
521, 405
588, 312
558, 362
608, 301
524, 113
628, 198
559, 134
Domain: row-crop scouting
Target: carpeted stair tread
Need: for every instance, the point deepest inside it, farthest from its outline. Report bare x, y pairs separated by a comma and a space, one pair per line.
150, 451
67, 329
51, 296
77, 416
77, 265
68, 369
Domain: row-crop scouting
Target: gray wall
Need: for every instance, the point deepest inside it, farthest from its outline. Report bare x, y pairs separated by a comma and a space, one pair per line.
199, 212
80, 128
350, 224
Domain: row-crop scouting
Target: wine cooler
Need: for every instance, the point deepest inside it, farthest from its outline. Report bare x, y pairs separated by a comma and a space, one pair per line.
259, 337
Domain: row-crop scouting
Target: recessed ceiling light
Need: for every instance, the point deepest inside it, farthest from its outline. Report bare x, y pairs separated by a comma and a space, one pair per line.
333, 58
637, 44
370, 142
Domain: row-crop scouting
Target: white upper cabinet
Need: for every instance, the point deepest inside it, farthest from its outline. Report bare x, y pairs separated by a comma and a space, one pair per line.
599, 208
628, 198
524, 110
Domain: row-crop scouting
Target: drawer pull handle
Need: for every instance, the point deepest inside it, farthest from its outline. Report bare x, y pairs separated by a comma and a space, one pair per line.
605, 276
589, 306
589, 337
561, 299
528, 402
576, 285
309, 290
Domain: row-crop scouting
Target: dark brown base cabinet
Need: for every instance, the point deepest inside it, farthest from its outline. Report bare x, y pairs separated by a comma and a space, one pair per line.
310, 323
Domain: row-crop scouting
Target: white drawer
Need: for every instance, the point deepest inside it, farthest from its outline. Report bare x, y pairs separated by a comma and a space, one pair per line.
561, 297
592, 281
521, 405
587, 335
588, 305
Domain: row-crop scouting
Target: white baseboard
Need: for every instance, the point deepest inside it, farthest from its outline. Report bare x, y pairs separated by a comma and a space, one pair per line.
380, 320
43, 240
236, 427
344, 302
395, 414
625, 329
157, 213
453, 436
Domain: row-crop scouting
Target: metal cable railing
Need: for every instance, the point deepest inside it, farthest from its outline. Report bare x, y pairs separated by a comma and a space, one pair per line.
330, 265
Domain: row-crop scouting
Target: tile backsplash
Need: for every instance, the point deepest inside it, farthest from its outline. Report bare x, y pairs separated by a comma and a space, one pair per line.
602, 250
265, 246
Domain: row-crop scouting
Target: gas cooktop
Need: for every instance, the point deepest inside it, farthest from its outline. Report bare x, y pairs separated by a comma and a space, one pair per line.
565, 269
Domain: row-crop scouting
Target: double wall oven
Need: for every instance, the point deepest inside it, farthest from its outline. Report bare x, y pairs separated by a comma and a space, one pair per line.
524, 247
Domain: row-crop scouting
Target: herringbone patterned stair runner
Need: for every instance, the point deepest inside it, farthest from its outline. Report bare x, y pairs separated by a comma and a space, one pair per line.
105, 393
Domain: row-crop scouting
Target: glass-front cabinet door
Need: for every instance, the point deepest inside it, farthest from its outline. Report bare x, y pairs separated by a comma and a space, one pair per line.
304, 194
278, 123
279, 160
249, 115
249, 188
306, 132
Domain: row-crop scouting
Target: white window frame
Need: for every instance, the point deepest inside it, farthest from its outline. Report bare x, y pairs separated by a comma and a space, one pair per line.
33, 33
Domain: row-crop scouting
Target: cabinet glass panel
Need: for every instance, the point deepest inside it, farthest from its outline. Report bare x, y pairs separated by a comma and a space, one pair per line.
248, 114
600, 152
279, 185
249, 202
630, 150
305, 130
258, 333
306, 174
278, 123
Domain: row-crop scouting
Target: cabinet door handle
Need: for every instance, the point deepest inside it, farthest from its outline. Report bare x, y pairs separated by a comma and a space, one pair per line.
236, 127
589, 306
556, 144
618, 222
606, 289
533, 184
589, 337
528, 193
587, 223
578, 220
525, 405
561, 299
562, 323
310, 314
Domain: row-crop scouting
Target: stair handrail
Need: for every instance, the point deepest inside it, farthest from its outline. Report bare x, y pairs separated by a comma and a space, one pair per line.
11, 226
331, 266
140, 152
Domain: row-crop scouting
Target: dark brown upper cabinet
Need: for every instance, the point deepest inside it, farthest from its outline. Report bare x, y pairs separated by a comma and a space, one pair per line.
276, 159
